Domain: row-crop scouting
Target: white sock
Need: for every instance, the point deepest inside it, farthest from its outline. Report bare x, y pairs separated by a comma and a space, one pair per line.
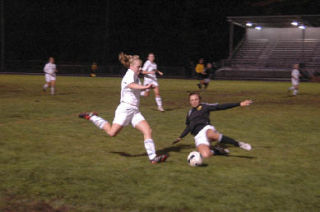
52, 90
98, 121
45, 86
142, 93
159, 101
295, 92
291, 88
150, 148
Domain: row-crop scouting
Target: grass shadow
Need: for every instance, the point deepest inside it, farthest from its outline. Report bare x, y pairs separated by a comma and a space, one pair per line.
166, 150
125, 154
239, 156
176, 148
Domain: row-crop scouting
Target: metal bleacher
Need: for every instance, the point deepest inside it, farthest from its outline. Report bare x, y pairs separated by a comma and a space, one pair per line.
262, 53
265, 59
270, 53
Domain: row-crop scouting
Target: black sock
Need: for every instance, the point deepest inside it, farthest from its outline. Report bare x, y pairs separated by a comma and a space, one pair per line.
206, 85
228, 140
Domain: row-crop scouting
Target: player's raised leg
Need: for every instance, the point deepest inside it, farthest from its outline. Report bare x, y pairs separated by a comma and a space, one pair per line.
205, 150
111, 130
46, 85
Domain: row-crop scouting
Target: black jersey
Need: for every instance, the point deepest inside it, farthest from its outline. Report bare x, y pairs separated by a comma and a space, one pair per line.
198, 118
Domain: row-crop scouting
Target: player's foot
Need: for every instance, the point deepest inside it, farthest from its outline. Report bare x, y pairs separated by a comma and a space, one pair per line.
160, 108
159, 159
87, 115
220, 150
199, 85
245, 146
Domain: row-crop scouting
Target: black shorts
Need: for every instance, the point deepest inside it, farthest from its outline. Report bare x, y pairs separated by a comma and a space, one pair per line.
202, 76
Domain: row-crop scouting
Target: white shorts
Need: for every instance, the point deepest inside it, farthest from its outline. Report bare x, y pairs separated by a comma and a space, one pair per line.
126, 114
50, 77
295, 82
206, 80
148, 81
201, 137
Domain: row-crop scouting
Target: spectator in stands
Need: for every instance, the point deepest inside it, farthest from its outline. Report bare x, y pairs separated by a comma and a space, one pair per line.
94, 68
200, 70
295, 79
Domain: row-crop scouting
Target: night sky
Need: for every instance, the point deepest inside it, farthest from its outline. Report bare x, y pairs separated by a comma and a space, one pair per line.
96, 30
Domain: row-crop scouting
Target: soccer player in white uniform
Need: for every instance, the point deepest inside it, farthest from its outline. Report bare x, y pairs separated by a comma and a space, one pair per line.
128, 109
198, 124
50, 70
295, 75
149, 70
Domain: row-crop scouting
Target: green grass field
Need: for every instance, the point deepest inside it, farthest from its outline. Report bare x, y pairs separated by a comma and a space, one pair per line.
50, 160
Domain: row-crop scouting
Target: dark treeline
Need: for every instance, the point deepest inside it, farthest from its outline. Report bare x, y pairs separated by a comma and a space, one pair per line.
97, 30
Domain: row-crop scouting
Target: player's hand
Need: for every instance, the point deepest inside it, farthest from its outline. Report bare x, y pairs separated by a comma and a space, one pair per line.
176, 141
246, 103
160, 73
149, 86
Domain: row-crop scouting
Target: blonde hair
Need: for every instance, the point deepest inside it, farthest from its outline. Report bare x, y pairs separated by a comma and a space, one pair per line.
126, 60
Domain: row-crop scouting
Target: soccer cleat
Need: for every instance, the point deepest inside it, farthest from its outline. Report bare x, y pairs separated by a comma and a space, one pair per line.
87, 115
245, 146
160, 159
160, 108
220, 150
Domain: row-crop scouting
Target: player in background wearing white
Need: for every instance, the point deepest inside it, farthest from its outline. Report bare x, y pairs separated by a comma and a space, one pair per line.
149, 71
198, 124
128, 109
50, 70
295, 75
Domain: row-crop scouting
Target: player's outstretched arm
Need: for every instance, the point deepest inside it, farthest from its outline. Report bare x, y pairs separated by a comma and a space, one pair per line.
139, 87
177, 140
147, 72
160, 73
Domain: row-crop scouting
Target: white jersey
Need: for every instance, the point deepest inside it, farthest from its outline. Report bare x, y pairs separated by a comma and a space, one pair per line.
295, 74
128, 95
148, 67
50, 68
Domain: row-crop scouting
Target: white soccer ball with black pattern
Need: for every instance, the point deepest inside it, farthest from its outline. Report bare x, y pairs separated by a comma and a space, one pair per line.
195, 159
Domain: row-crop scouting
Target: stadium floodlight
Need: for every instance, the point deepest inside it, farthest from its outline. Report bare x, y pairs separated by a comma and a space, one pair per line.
302, 27
258, 27
294, 23
249, 24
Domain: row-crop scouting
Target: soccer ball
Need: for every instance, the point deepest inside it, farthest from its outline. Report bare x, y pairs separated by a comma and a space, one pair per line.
194, 159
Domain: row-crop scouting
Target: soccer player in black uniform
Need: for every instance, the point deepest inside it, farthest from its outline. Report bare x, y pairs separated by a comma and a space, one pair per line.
198, 124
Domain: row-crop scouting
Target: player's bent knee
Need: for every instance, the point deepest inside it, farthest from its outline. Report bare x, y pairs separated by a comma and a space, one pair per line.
206, 154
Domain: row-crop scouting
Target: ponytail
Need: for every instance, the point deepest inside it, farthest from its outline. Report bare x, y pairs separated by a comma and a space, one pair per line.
127, 60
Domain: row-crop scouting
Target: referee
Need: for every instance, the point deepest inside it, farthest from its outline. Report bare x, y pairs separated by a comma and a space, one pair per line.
198, 124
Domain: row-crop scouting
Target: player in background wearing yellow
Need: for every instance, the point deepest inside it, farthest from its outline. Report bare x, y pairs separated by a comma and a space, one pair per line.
149, 70
200, 70
94, 68
128, 110
50, 70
